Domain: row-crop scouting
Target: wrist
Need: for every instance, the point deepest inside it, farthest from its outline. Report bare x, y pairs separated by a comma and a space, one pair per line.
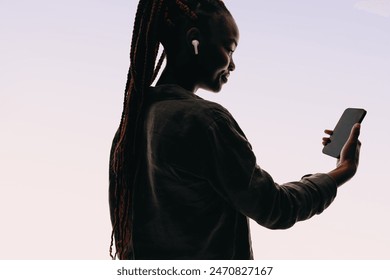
342, 173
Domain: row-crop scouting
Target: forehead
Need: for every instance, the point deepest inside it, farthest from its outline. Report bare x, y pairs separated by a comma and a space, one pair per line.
223, 28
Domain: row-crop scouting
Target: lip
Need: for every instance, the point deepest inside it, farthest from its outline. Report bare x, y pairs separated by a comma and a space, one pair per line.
225, 77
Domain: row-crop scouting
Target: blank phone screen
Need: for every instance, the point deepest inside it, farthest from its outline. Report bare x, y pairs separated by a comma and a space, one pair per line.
340, 135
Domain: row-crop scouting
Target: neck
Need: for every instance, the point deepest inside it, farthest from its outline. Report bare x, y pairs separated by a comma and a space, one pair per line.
181, 77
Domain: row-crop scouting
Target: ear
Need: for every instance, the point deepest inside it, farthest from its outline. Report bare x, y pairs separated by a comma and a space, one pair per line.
193, 40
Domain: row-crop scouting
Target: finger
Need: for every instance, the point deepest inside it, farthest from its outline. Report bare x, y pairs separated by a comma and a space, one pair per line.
355, 132
325, 141
328, 131
352, 145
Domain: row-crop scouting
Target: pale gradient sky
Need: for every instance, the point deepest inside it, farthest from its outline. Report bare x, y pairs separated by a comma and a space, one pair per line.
63, 67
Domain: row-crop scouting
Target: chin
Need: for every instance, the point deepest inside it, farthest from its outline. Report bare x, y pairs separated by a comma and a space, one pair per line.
217, 90
215, 87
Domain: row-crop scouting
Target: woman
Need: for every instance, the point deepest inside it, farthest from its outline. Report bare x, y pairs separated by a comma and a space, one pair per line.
183, 177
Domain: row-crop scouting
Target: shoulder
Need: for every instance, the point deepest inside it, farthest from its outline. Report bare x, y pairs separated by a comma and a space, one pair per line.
213, 113
174, 102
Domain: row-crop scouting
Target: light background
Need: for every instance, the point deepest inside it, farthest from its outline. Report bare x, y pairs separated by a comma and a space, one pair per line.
63, 67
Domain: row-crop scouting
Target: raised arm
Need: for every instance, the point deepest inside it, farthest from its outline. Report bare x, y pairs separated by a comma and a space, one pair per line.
252, 191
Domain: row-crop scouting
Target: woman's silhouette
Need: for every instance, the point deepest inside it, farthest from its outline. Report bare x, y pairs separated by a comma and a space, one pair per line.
183, 176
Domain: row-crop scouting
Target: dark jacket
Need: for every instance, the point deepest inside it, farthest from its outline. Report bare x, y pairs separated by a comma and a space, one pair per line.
199, 183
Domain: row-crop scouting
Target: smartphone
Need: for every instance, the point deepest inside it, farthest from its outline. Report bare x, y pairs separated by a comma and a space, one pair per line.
340, 135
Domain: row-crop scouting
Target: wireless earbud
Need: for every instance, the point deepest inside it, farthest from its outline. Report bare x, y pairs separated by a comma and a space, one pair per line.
195, 43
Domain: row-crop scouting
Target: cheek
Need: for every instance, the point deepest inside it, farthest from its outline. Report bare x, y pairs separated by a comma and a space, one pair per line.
213, 63
217, 62
222, 60
216, 56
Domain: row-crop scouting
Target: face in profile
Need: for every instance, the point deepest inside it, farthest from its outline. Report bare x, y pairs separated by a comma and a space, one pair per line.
216, 53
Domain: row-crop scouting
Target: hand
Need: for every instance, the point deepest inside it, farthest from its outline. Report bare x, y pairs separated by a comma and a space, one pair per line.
348, 162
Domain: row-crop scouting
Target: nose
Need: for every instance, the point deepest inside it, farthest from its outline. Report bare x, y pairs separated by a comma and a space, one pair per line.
232, 66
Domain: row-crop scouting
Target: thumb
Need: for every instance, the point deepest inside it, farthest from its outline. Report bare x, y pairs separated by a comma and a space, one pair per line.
355, 132
349, 149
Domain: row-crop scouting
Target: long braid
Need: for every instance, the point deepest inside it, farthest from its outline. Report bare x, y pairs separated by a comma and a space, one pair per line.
153, 19
186, 9
122, 171
118, 188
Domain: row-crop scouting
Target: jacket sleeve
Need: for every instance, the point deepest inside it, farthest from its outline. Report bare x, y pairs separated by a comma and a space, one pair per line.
236, 176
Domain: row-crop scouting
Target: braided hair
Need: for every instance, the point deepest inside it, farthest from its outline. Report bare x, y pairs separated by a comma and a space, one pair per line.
156, 21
